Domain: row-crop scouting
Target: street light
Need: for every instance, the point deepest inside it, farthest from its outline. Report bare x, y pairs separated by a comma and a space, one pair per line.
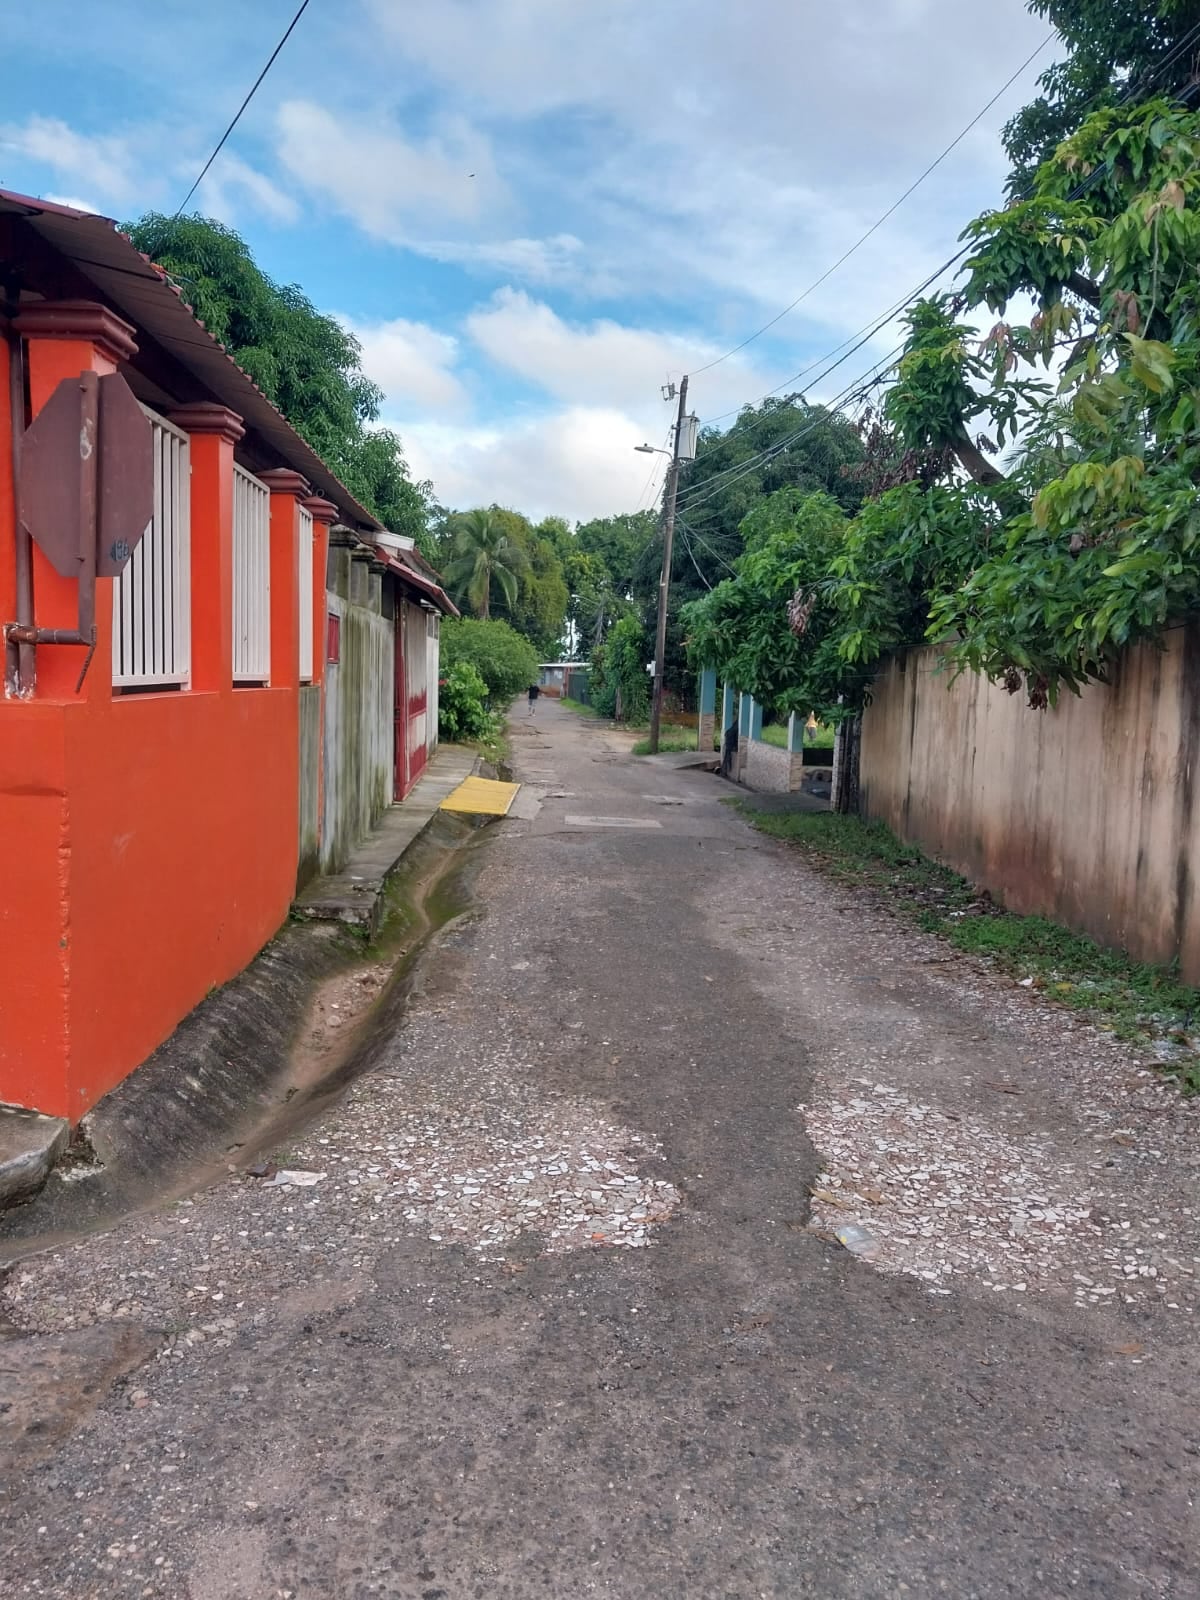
652, 450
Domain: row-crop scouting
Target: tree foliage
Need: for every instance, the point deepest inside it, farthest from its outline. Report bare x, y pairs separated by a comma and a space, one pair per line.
1040, 569
306, 363
601, 568
620, 684
504, 658
462, 704
485, 559
1116, 49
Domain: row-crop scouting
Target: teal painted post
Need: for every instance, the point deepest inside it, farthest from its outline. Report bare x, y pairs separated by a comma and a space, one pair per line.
796, 733
745, 713
756, 714
707, 726
728, 706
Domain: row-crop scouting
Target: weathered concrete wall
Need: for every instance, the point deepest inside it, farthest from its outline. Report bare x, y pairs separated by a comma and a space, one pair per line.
767, 768
359, 736
1086, 813
310, 781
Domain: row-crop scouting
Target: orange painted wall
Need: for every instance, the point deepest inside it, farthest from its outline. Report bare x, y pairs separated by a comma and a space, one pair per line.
148, 842
146, 855
34, 915
183, 822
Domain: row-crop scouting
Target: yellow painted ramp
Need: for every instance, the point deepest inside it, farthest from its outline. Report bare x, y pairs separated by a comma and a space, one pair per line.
481, 797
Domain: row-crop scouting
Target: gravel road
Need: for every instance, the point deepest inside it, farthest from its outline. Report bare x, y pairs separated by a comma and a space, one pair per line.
551, 1303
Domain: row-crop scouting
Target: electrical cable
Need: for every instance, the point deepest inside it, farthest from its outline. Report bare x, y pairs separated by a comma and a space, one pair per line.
238, 117
1172, 55
892, 209
741, 469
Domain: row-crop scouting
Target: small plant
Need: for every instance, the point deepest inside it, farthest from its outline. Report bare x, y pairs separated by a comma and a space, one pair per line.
462, 704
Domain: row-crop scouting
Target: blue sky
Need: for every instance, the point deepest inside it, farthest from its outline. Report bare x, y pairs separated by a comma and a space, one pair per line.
651, 182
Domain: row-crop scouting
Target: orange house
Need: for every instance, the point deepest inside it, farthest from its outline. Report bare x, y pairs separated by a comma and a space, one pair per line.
150, 813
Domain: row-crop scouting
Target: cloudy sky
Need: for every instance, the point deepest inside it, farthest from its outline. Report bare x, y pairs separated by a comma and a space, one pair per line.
534, 213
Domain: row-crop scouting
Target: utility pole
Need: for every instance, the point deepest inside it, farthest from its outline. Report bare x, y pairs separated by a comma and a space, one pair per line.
664, 582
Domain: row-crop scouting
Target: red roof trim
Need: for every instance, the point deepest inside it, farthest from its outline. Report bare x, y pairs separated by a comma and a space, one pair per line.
424, 586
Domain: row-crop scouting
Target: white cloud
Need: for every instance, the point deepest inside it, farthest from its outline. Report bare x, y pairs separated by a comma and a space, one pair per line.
230, 183
393, 187
542, 261
578, 462
410, 362
103, 163
776, 138
73, 202
606, 362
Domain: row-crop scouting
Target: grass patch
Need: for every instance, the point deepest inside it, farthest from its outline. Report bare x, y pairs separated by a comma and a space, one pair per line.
1135, 1001
578, 705
671, 742
494, 746
776, 733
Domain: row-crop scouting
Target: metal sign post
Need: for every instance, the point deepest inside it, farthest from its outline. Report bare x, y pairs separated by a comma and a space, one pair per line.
85, 494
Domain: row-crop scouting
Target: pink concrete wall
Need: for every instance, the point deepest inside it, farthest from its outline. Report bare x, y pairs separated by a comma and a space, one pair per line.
1086, 813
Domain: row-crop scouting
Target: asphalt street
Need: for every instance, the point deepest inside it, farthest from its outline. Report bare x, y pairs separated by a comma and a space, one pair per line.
455, 1367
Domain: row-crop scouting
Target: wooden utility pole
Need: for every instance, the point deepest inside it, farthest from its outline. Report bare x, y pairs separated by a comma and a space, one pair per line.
664, 582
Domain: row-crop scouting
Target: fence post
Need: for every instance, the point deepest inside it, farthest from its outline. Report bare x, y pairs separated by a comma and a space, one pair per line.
324, 514
795, 744
288, 489
213, 431
708, 709
65, 338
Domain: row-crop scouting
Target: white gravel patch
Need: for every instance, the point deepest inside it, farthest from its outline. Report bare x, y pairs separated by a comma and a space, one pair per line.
476, 1159
938, 1195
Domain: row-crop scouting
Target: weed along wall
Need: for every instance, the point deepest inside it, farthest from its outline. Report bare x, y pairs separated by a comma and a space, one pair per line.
1087, 813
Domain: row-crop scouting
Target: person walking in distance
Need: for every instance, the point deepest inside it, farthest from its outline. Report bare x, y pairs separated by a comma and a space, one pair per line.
534, 691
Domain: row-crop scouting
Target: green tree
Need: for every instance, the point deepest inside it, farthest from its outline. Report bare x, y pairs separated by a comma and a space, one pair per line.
306, 363
620, 684
778, 444
485, 555
1116, 49
620, 542
504, 658
1039, 569
742, 626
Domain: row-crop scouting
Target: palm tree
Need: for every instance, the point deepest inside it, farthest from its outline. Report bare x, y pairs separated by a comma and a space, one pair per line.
483, 555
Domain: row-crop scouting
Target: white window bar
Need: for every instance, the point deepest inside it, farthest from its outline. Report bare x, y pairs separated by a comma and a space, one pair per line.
251, 578
306, 596
152, 598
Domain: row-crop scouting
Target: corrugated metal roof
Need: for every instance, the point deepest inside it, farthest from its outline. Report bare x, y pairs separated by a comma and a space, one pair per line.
418, 581
142, 293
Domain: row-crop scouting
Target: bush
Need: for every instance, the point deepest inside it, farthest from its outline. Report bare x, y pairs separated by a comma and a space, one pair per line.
503, 658
620, 685
462, 704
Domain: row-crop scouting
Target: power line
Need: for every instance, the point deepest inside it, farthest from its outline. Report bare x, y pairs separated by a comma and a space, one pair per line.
856, 339
741, 469
253, 91
891, 210
1172, 55
704, 545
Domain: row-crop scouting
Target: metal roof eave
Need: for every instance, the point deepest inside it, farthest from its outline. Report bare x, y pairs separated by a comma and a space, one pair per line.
143, 293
